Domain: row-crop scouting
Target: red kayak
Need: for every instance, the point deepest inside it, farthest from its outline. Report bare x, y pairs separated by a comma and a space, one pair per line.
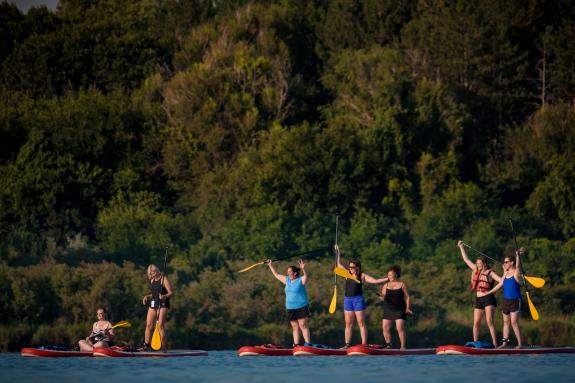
462, 350
116, 353
374, 349
265, 349
53, 352
317, 350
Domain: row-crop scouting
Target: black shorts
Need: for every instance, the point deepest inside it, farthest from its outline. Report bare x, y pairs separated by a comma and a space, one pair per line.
165, 303
295, 314
483, 302
511, 306
392, 312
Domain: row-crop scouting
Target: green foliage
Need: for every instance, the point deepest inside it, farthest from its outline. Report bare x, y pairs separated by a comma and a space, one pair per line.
234, 131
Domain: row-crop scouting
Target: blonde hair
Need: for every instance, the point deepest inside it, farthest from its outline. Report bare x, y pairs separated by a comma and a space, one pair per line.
152, 268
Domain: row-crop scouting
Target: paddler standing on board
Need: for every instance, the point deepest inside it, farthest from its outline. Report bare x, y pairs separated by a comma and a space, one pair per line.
297, 303
482, 278
353, 301
511, 283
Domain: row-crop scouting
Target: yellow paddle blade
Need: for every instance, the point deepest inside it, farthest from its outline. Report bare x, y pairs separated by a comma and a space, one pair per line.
156, 339
333, 303
532, 309
345, 274
251, 267
536, 281
122, 324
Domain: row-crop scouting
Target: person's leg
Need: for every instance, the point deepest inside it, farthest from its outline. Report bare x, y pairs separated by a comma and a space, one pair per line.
101, 344
85, 346
477, 318
162, 327
295, 331
506, 323
303, 325
489, 310
349, 318
400, 327
386, 324
515, 323
360, 316
150, 322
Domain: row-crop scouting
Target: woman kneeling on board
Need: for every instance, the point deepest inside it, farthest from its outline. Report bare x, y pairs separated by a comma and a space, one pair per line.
297, 303
396, 306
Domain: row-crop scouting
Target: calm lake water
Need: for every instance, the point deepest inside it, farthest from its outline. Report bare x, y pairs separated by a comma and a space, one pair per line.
225, 366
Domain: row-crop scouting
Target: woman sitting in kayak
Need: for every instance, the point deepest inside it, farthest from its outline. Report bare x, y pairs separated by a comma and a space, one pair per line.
158, 302
297, 304
396, 306
101, 335
482, 278
353, 301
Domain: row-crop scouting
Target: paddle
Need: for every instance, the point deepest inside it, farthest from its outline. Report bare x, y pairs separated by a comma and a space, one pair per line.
286, 257
122, 324
156, 338
333, 303
535, 281
532, 309
344, 273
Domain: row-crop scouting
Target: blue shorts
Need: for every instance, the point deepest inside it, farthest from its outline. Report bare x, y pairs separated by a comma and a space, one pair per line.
356, 303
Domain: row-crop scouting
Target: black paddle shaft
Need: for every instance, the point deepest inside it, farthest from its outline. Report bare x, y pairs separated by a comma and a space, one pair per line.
300, 254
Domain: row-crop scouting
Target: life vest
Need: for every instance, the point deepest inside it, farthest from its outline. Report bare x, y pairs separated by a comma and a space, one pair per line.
480, 282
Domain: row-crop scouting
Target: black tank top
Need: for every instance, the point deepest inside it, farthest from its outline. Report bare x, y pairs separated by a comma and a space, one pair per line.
155, 288
352, 288
394, 299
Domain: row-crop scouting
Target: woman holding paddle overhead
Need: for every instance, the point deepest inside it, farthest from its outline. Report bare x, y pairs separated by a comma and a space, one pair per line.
101, 335
353, 300
297, 304
511, 283
396, 306
482, 278
158, 302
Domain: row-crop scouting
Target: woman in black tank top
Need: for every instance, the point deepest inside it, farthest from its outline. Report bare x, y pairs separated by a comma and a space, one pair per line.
353, 301
158, 302
396, 306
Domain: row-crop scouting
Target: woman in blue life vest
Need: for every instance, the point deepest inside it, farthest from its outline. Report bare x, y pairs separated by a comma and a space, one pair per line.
396, 306
353, 300
511, 308
158, 302
482, 280
297, 303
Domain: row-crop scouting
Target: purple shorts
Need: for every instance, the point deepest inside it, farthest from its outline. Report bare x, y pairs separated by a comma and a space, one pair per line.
356, 303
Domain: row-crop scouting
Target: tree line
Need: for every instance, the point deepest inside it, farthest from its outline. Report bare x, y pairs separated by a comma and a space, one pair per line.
234, 131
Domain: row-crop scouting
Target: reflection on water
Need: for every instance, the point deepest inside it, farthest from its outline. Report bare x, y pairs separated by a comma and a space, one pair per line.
225, 366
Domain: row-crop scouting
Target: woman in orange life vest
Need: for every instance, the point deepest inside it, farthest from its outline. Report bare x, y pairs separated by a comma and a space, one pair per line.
482, 279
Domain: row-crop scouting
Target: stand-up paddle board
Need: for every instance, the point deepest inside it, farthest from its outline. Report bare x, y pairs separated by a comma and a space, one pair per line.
317, 349
374, 349
462, 350
265, 349
53, 352
110, 352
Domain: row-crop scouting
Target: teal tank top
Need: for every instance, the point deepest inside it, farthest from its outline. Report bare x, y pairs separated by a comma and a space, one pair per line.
296, 294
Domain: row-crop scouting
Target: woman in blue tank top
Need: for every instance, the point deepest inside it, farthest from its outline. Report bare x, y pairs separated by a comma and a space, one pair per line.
511, 283
297, 304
